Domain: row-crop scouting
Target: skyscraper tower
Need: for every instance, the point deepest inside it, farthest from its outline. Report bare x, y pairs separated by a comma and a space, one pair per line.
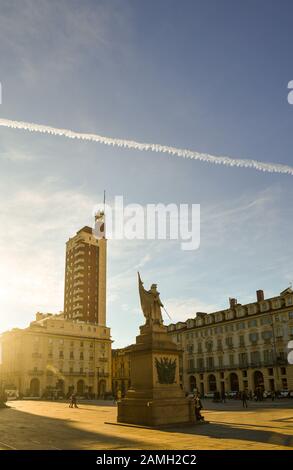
85, 276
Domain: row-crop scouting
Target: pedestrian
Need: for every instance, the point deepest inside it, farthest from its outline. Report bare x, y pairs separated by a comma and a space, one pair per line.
244, 399
223, 396
73, 401
273, 395
198, 408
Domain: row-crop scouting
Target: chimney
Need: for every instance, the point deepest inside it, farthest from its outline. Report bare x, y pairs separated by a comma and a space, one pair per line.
200, 314
260, 295
233, 302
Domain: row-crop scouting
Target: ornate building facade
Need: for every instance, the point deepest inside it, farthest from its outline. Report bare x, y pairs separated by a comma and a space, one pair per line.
71, 351
242, 347
120, 371
57, 356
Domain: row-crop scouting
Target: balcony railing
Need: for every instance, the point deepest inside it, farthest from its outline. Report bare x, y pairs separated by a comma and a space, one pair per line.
80, 246
252, 365
35, 372
78, 268
77, 307
78, 276
75, 374
102, 374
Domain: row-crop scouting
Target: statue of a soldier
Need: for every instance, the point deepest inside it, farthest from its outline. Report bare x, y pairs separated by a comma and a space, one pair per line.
150, 303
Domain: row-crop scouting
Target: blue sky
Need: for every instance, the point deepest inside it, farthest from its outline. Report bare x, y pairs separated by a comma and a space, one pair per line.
207, 75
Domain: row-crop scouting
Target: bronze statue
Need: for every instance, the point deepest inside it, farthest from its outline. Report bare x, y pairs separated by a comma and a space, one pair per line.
150, 303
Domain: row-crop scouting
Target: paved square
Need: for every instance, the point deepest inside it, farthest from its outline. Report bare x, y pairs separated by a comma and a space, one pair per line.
53, 425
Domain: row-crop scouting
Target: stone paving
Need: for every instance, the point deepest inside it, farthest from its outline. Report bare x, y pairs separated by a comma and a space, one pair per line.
53, 425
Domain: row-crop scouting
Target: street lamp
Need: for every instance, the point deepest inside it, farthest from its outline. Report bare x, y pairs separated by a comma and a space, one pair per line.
275, 353
98, 377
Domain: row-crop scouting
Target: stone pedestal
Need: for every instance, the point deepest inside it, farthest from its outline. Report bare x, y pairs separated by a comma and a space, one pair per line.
155, 397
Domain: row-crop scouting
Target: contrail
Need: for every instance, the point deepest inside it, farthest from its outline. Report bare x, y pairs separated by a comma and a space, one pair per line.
132, 144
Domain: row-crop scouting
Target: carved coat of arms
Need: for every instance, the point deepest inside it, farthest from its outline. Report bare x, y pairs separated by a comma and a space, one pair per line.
166, 369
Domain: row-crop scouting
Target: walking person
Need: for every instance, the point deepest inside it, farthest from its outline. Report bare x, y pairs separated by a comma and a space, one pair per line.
73, 401
223, 396
198, 408
244, 399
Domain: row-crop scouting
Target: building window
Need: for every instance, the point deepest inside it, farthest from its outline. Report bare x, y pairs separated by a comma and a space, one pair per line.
210, 362
61, 356
243, 359
209, 346
267, 335
229, 342
200, 363
268, 356
81, 356
271, 371
290, 315
255, 357
283, 370
279, 332
253, 337
252, 323
284, 384
281, 355
71, 355
231, 359
264, 307
191, 364
189, 348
